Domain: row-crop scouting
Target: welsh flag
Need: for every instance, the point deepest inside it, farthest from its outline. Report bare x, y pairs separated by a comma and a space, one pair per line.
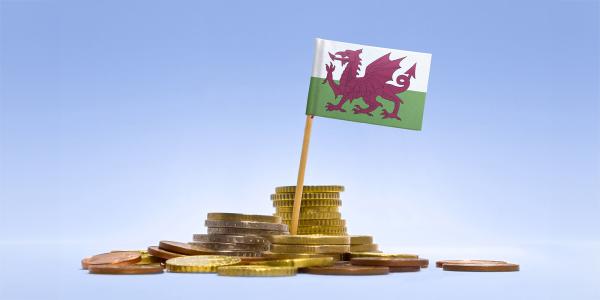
368, 84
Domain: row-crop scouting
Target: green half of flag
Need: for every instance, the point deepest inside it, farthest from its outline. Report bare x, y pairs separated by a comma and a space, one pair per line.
410, 113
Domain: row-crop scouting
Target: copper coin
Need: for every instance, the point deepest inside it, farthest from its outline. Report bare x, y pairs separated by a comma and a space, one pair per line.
481, 267
164, 254
345, 269
125, 257
441, 263
85, 263
128, 269
404, 269
389, 262
184, 248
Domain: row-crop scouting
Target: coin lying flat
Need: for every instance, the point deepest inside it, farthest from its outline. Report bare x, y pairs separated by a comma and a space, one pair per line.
335, 256
404, 269
441, 263
318, 222
312, 215
309, 202
246, 224
85, 263
256, 271
311, 189
183, 248
322, 261
306, 196
378, 254
231, 246
344, 269
389, 262
242, 231
364, 248
241, 253
126, 270
310, 239
200, 263
481, 267
361, 239
281, 248
125, 257
225, 238
218, 216
164, 254
289, 209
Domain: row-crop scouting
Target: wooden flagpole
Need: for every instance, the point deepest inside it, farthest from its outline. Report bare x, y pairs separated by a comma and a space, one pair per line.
301, 169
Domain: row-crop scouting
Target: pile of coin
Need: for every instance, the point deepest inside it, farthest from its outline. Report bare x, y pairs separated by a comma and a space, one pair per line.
296, 246
239, 234
319, 210
362, 243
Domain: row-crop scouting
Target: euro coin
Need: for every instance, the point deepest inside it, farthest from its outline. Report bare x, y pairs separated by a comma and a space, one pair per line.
247, 225
441, 263
183, 248
309, 209
125, 257
300, 262
311, 189
306, 196
335, 256
219, 216
309, 248
256, 271
312, 215
344, 269
361, 239
200, 263
231, 246
309, 203
126, 270
241, 253
164, 254
310, 239
319, 222
378, 254
148, 259
85, 263
224, 238
242, 231
364, 248
328, 230
404, 269
481, 267
389, 262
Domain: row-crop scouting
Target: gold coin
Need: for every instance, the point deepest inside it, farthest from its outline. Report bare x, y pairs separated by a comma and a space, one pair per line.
282, 248
311, 189
148, 259
339, 232
220, 216
378, 254
299, 262
441, 263
318, 222
200, 263
309, 203
361, 239
481, 267
290, 209
256, 271
306, 196
316, 239
364, 248
335, 256
312, 215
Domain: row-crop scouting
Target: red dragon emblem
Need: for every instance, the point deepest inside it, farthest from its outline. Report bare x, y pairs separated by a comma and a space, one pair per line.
373, 84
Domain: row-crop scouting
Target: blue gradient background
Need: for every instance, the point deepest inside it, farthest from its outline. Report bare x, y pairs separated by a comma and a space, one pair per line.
123, 123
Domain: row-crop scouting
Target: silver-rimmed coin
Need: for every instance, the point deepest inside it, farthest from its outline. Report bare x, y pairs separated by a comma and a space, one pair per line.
246, 225
231, 246
224, 238
242, 231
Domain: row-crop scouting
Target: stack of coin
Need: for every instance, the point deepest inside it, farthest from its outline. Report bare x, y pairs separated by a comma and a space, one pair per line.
319, 209
362, 243
239, 234
298, 246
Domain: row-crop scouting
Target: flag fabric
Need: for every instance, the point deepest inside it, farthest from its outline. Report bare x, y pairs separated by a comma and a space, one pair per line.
368, 84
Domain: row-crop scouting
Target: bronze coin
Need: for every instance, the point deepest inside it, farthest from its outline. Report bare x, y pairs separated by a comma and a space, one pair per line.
126, 257
164, 254
441, 263
404, 269
345, 269
481, 267
128, 269
389, 262
85, 263
184, 248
